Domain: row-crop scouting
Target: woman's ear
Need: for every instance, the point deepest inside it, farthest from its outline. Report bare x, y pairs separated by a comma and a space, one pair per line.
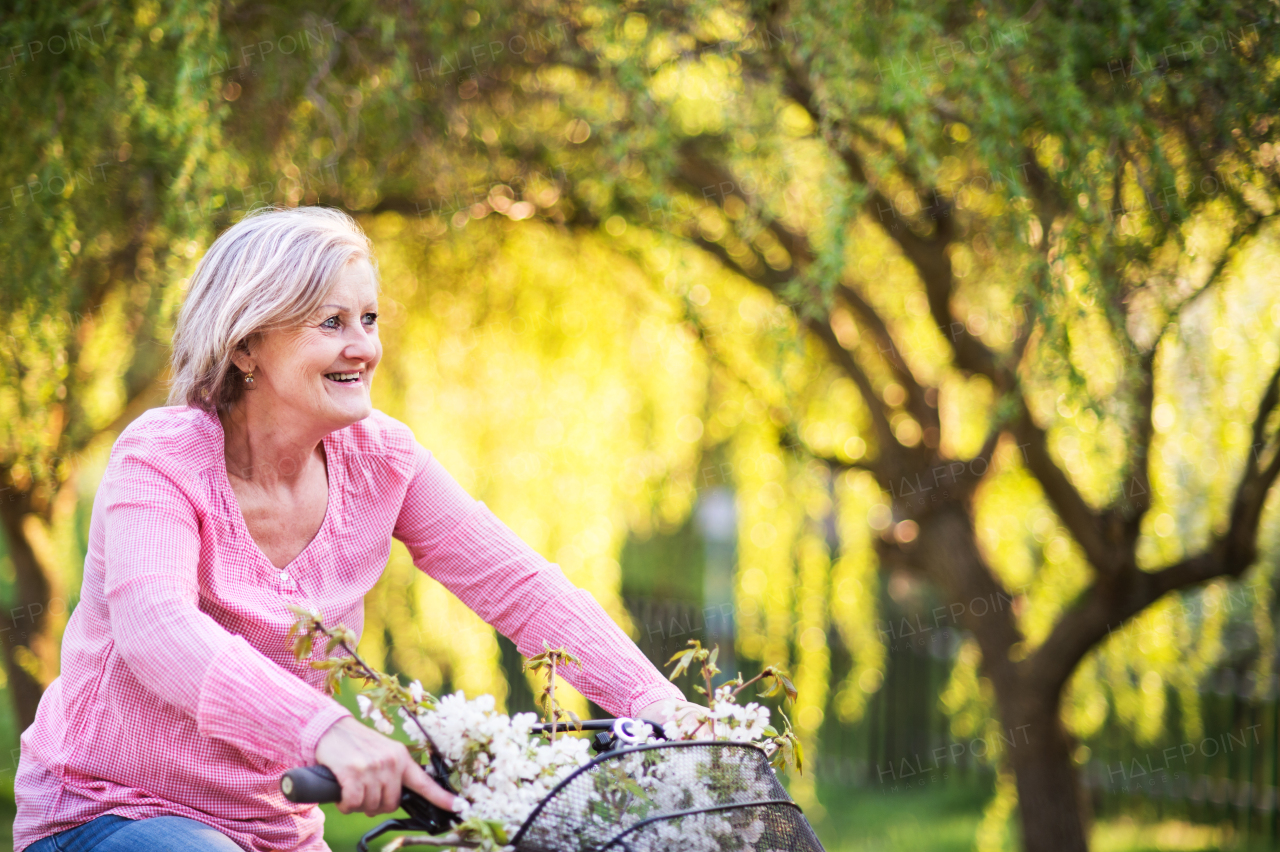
243, 358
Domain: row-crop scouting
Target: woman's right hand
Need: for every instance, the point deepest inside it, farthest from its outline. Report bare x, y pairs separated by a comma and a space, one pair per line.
372, 768
669, 712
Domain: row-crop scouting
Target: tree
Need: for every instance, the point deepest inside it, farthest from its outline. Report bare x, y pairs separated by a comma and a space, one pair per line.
1001, 229
111, 132
1096, 171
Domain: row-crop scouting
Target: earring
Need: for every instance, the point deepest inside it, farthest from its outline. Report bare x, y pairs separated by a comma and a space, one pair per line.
248, 379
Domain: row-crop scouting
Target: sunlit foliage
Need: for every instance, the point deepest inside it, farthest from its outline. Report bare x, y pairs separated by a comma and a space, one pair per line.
824, 249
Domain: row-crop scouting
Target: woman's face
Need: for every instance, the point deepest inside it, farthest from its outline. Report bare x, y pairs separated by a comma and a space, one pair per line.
320, 372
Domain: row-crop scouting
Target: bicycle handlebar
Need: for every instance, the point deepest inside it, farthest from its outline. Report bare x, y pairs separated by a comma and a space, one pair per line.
317, 785
310, 785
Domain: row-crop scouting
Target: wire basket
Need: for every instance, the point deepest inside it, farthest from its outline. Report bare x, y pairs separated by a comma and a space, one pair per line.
688, 796
692, 796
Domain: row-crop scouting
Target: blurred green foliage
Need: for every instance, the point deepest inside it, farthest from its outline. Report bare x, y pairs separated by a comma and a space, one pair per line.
834, 248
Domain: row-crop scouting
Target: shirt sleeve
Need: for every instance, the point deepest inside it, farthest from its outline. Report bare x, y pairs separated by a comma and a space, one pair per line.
457, 540
234, 693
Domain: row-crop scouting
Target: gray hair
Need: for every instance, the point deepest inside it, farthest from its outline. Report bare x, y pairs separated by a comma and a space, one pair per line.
271, 269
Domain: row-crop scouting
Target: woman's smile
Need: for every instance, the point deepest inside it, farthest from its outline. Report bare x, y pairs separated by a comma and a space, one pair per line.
300, 370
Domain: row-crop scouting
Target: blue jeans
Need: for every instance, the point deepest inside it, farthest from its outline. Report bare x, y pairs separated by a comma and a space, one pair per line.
111, 833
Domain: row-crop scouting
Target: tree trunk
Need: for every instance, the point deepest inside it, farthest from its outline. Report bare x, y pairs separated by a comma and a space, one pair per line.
1051, 805
1036, 745
30, 652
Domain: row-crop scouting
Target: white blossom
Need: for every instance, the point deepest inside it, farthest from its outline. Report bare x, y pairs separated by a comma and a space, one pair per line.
502, 770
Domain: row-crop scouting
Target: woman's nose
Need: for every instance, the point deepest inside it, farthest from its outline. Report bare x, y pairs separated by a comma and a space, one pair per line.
361, 344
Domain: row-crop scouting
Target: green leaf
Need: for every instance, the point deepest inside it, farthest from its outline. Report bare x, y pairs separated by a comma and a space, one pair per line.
788, 686
686, 659
573, 717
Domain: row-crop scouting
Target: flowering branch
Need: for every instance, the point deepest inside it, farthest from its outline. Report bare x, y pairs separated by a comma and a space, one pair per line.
386, 693
744, 723
781, 683
549, 659
503, 770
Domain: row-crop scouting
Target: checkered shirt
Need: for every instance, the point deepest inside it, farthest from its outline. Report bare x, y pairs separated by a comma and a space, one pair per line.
179, 694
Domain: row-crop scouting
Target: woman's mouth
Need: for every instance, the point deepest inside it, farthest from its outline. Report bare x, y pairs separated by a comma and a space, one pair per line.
343, 378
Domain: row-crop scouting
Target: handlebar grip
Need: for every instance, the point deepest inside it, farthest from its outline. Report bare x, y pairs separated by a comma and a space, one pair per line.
310, 785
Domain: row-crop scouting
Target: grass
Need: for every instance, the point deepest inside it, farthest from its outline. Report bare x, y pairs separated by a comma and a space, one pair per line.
857, 821
938, 819
946, 819
1127, 835
342, 831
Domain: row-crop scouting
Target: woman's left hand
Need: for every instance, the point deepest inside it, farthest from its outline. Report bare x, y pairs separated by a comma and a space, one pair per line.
669, 710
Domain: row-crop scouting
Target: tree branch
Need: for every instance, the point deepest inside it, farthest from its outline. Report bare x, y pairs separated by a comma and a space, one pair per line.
933, 265
1117, 597
696, 171
1229, 253
794, 442
1136, 501
1067, 502
885, 343
888, 445
841, 356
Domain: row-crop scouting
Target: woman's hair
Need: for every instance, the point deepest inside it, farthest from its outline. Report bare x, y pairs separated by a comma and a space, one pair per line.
272, 269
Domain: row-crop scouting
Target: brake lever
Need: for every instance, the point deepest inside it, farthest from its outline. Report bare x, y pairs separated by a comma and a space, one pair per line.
426, 815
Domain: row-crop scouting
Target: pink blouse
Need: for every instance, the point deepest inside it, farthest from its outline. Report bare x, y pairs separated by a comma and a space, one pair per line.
179, 694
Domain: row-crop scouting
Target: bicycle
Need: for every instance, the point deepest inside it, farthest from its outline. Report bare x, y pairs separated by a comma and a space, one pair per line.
667, 796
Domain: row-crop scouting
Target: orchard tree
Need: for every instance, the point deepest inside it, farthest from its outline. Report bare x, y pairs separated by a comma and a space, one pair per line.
1102, 177
111, 129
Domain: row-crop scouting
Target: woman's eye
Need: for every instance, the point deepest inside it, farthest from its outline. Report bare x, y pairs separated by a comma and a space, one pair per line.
370, 318
331, 322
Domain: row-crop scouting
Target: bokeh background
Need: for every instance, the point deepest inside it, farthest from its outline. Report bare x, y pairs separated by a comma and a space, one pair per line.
927, 350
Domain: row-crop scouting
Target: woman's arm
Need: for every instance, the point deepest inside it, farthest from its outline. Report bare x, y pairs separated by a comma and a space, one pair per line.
234, 693
460, 542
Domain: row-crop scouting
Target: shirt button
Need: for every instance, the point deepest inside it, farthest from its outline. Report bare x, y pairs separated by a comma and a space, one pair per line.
284, 575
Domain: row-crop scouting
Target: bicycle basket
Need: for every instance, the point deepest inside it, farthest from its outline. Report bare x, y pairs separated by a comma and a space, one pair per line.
688, 796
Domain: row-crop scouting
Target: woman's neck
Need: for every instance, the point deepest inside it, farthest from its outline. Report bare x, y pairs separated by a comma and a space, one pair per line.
265, 449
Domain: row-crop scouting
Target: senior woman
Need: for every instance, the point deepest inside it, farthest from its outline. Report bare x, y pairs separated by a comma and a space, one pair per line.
270, 480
